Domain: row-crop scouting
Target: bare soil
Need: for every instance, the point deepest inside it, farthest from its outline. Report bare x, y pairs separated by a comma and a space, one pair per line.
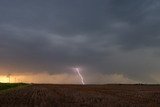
48, 95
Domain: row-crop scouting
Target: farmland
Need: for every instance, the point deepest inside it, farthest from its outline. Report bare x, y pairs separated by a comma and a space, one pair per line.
6, 86
48, 95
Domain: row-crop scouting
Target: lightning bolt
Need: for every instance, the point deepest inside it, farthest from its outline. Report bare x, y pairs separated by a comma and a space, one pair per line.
79, 74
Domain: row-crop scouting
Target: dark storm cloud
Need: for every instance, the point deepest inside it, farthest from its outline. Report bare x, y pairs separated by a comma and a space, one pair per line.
143, 20
105, 36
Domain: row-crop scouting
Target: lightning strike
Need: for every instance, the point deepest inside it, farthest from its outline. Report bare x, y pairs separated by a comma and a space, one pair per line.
81, 77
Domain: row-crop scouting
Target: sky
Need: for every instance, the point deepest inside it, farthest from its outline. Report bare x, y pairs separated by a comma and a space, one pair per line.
111, 41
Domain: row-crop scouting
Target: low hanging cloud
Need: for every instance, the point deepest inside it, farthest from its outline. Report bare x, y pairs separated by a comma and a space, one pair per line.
66, 78
107, 37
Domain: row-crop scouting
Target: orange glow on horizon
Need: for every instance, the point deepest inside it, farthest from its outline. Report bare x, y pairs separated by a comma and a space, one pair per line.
40, 78
13, 79
4, 79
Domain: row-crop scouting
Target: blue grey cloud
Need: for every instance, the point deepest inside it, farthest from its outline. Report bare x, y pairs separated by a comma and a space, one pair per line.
104, 36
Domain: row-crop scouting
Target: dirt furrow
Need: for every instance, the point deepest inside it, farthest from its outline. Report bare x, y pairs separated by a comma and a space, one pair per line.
40, 95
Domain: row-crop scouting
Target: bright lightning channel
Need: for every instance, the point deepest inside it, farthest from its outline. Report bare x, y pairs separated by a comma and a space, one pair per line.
81, 77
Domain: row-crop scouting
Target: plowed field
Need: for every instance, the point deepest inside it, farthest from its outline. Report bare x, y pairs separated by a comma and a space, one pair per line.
47, 95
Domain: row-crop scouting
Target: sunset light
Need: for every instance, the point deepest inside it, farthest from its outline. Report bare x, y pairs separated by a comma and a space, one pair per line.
4, 79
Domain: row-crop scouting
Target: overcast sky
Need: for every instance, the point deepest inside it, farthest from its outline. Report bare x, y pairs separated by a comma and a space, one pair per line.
102, 37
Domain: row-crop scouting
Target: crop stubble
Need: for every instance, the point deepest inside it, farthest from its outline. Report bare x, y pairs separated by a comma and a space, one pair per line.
48, 95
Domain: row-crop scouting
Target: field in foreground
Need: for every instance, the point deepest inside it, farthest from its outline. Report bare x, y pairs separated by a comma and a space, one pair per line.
43, 95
